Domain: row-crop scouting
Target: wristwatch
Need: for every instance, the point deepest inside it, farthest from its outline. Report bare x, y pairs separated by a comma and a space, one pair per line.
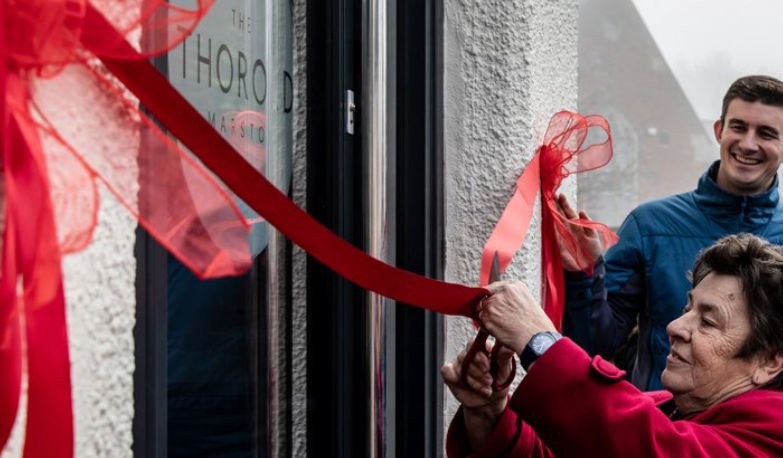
537, 346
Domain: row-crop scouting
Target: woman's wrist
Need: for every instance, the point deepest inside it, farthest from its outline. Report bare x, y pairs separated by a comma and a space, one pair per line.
487, 413
480, 421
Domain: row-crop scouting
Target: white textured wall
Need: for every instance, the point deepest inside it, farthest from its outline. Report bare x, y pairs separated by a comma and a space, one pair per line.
101, 295
509, 66
299, 262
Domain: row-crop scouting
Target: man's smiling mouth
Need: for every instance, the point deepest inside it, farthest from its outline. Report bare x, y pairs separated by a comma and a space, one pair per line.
746, 160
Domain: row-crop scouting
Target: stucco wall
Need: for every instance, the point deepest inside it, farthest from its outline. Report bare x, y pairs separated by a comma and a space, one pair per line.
101, 295
299, 262
509, 66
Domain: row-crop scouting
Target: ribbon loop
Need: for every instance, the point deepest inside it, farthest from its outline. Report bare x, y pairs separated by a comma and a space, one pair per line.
42, 35
553, 162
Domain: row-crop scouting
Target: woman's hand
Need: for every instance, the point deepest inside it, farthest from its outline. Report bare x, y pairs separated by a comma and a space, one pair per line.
512, 316
481, 406
478, 394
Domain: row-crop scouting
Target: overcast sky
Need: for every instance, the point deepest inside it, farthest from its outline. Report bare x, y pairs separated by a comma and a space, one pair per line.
710, 43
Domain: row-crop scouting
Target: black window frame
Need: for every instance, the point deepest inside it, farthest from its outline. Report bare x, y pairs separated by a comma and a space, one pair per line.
337, 397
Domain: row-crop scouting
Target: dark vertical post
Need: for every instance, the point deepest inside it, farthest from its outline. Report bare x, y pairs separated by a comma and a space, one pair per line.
419, 224
150, 392
335, 307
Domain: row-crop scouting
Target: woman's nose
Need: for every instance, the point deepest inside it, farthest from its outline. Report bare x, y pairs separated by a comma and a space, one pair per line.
679, 329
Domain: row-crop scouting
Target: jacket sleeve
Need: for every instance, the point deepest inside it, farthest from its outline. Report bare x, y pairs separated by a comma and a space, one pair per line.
578, 406
602, 309
510, 437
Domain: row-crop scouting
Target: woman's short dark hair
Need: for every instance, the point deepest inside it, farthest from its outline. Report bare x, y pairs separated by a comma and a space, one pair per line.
754, 88
759, 266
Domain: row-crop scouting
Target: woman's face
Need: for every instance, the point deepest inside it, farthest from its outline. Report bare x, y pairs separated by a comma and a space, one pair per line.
702, 368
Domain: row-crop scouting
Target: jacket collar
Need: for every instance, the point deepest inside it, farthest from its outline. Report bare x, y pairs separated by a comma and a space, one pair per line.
722, 206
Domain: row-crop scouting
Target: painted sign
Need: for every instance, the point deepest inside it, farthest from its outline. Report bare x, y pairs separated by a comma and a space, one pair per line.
236, 68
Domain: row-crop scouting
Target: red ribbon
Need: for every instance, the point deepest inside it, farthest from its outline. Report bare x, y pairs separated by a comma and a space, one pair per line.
561, 149
42, 39
211, 239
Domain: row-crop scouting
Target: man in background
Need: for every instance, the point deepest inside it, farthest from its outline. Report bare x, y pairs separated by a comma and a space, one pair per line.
644, 278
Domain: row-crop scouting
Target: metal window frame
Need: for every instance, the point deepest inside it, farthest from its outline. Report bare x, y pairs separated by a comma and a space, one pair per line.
150, 390
335, 307
338, 394
420, 338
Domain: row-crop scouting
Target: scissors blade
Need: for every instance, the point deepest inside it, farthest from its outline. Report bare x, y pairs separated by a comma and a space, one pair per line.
494, 272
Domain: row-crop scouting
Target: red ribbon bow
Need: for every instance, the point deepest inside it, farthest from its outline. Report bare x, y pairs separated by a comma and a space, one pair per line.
50, 195
560, 150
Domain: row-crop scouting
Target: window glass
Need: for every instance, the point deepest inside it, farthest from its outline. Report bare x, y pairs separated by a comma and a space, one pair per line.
235, 68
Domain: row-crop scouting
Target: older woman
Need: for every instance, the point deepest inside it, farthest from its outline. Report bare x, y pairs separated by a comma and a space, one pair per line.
723, 378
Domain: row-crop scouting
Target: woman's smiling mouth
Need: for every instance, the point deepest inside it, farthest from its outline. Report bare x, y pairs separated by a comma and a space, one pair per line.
675, 358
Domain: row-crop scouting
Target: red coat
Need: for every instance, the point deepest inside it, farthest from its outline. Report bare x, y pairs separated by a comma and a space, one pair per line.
570, 405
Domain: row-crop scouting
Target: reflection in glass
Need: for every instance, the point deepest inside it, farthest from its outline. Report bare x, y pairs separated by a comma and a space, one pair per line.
212, 366
661, 147
225, 391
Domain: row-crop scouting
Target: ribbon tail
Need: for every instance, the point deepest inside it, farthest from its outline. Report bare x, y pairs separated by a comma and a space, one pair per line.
553, 285
49, 429
10, 338
511, 229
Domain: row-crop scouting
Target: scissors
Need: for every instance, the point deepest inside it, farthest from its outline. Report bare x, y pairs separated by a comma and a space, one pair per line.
480, 345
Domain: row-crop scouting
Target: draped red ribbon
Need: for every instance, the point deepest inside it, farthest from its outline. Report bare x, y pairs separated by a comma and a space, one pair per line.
41, 41
209, 236
561, 150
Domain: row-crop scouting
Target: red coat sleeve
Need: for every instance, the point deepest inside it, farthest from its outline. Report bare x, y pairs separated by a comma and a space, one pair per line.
580, 406
570, 405
510, 437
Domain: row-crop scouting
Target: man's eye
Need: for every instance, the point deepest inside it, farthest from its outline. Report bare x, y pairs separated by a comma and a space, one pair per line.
707, 323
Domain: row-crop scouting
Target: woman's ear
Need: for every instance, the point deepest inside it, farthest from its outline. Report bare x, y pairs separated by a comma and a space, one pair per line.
768, 369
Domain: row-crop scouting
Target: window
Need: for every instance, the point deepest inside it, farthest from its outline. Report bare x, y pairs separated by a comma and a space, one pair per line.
204, 363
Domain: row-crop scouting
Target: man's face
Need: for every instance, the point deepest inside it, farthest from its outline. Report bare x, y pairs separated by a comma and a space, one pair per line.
751, 146
702, 369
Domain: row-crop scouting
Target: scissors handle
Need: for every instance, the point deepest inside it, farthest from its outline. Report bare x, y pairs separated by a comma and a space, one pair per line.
480, 345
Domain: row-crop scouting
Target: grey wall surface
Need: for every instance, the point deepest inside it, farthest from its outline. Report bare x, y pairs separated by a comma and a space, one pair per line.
101, 295
299, 262
509, 66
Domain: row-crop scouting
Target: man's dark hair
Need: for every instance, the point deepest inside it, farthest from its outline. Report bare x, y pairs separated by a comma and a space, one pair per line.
754, 88
759, 267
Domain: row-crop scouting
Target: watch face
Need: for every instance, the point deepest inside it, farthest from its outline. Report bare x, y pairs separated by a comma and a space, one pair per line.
542, 342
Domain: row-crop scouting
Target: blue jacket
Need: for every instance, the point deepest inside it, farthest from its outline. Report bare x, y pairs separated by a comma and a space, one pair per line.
645, 276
